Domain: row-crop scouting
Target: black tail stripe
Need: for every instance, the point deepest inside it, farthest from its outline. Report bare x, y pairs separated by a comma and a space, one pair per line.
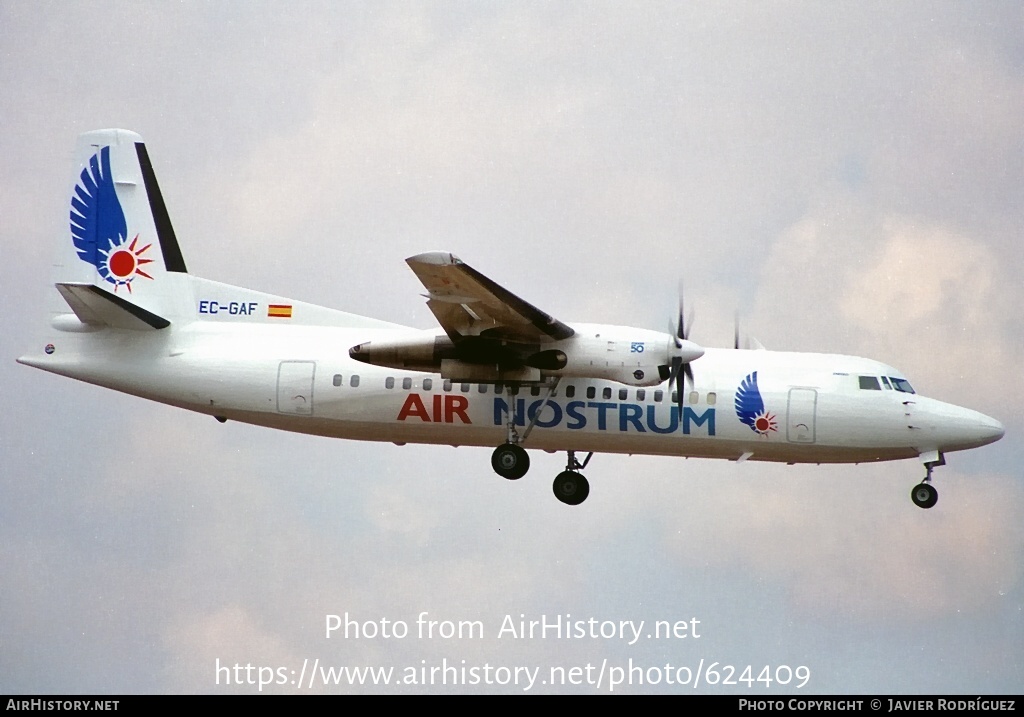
173, 259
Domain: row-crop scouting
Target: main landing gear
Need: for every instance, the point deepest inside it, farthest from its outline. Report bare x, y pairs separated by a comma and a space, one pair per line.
924, 494
511, 461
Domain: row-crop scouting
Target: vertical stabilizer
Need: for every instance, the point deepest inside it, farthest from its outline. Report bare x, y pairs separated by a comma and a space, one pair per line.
119, 239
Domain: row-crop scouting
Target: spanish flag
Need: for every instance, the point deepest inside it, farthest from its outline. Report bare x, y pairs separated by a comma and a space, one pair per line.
280, 311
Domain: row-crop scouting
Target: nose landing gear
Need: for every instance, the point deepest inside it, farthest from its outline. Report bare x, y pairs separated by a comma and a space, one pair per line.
924, 494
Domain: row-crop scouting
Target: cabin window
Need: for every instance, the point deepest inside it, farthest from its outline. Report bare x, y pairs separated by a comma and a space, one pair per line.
482, 388
675, 397
464, 387
712, 398
499, 388
407, 383
389, 382
535, 391
606, 392
869, 383
694, 397
428, 383
591, 392
337, 379
901, 384
447, 385
659, 395
570, 391
354, 381
623, 394
641, 394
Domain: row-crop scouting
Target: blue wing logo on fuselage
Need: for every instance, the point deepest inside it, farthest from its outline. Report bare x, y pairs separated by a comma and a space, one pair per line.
750, 408
98, 227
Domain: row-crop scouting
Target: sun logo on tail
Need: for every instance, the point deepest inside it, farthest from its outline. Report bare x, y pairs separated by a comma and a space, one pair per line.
121, 264
750, 408
98, 227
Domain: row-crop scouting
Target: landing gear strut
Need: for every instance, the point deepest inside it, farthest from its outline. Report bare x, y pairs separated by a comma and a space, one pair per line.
924, 494
510, 460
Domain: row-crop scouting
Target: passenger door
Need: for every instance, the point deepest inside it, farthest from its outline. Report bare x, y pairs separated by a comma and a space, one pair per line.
800, 415
295, 387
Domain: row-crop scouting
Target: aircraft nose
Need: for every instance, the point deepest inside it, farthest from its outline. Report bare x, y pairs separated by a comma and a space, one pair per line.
956, 428
991, 429
975, 429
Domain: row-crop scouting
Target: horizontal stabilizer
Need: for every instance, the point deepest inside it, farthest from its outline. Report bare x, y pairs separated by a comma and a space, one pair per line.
97, 306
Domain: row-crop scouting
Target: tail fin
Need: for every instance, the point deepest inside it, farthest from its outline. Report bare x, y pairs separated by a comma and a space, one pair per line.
120, 263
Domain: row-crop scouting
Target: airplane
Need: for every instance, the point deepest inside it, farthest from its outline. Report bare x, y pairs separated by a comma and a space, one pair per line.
498, 372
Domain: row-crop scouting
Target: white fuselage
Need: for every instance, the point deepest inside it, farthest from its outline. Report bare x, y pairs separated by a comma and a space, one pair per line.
300, 378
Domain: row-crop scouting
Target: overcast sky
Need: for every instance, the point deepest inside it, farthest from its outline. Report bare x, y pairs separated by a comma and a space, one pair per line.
848, 176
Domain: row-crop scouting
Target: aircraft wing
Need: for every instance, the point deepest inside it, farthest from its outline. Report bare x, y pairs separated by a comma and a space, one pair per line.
468, 304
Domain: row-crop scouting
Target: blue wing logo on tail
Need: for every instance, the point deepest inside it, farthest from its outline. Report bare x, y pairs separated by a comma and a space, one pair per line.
750, 407
98, 227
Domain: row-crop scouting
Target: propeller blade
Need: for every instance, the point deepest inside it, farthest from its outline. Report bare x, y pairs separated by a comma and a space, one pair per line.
679, 366
674, 371
680, 388
689, 374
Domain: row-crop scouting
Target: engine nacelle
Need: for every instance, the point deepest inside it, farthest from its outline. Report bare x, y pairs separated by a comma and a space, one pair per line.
635, 357
423, 352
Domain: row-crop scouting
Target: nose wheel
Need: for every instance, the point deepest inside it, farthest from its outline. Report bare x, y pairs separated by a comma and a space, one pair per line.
924, 495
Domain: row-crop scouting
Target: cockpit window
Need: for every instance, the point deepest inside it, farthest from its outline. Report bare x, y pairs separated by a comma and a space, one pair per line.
901, 384
885, 382
870, 383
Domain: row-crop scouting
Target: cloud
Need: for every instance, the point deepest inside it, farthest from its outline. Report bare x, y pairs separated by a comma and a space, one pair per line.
929, 300
791, 528
942, 297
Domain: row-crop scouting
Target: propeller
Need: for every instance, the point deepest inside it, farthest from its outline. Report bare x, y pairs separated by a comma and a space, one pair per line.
749, 342
681, 352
